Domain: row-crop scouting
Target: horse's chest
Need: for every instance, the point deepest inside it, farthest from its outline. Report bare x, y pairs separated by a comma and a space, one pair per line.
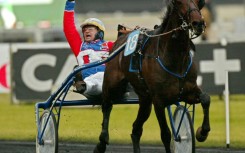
173, 90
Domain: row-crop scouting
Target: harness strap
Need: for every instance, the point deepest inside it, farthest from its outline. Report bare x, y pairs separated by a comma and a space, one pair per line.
180, 76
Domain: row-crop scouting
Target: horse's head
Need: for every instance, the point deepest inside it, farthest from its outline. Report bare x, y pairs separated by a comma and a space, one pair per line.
189, 12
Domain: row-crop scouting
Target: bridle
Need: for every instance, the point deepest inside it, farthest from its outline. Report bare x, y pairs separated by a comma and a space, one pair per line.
186, 18
184, 26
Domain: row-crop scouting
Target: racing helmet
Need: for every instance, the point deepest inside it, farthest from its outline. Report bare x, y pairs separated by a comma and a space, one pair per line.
95, 22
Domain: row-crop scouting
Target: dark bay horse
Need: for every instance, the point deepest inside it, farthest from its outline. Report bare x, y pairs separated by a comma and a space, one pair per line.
166, 74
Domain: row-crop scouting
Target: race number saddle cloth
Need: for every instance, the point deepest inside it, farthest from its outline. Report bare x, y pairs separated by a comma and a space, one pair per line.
136, 55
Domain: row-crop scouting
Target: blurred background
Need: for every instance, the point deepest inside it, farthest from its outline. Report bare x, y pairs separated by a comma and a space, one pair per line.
29, 29
41, 21
35, 58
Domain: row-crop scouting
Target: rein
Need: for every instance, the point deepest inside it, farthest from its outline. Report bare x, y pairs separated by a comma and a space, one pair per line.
184, 26
144, 31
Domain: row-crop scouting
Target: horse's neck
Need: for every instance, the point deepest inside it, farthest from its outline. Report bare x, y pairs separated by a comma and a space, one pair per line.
175, 46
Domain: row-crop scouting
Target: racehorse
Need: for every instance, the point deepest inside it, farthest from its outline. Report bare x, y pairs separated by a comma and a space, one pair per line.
166, 73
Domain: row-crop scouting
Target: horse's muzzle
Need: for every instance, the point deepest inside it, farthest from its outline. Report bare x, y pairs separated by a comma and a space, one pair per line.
198, 27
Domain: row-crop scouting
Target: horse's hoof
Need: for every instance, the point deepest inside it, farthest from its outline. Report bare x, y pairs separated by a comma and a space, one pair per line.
104, 137
199, 136
100, 148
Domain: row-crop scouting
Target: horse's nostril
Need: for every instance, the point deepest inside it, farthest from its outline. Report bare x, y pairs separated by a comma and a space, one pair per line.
198, 24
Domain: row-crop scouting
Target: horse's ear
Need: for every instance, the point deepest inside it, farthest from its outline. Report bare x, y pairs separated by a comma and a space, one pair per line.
156, 26
201, 4
120, 28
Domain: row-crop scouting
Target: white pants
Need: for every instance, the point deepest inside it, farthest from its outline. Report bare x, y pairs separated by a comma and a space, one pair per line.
94, 83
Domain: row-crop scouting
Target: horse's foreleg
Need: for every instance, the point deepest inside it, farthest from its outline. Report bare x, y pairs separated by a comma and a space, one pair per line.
165, 131
143, 115
202, 132
104, 135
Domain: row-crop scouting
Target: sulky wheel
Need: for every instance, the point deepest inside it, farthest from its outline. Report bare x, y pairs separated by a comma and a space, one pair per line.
49, 141
186, 143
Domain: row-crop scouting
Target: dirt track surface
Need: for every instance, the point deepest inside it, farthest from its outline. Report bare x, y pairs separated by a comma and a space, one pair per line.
29, 147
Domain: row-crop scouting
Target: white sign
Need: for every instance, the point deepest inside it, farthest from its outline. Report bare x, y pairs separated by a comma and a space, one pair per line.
32, 63
4, 68
219, 65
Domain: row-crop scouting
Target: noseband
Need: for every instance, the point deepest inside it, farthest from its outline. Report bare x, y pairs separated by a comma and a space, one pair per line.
186, 17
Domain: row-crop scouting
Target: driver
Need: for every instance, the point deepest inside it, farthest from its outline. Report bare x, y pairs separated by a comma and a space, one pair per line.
89, 47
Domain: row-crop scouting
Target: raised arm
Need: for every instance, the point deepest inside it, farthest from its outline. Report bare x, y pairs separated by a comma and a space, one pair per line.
71, 33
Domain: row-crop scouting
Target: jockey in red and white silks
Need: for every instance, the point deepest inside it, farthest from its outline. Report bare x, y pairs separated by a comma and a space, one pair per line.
87, 48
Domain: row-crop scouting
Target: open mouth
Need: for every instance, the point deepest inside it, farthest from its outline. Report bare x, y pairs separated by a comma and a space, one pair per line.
88, 36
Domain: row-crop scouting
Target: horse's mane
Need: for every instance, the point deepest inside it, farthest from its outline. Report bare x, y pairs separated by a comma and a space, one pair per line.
167, 14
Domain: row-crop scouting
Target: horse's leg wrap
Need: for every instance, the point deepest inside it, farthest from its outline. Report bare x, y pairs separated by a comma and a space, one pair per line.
202, 132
